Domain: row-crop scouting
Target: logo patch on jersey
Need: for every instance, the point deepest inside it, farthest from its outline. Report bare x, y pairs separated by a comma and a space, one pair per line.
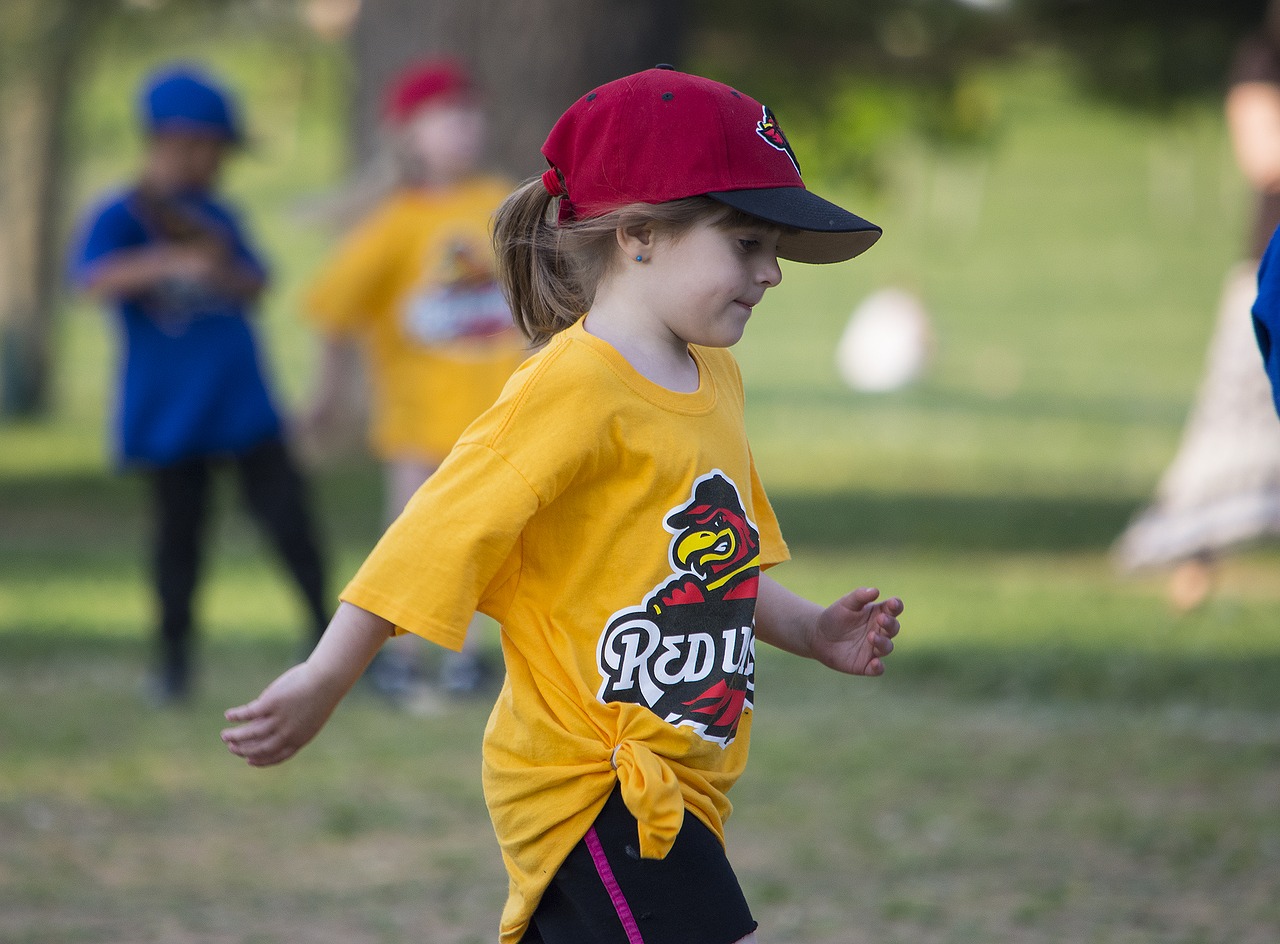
463, 302
687, 653
769, 129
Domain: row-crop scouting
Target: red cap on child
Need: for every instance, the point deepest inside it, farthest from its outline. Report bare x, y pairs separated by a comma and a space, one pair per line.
664, 135
423, 83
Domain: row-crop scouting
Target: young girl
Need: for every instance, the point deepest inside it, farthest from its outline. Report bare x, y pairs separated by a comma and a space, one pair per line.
413, 285
606, 511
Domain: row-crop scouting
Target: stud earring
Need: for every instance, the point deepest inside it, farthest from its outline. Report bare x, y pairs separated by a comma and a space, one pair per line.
639, 258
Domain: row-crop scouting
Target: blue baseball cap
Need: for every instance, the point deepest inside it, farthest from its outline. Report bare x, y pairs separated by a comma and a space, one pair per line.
183, 98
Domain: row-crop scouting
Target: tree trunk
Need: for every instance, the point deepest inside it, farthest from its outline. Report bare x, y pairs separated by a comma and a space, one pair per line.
35, 81
532, 58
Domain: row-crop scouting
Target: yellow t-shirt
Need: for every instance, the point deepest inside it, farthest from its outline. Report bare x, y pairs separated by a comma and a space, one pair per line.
414, 284
616, 530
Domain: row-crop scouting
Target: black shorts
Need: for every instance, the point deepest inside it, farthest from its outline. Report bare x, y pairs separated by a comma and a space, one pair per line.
604, 893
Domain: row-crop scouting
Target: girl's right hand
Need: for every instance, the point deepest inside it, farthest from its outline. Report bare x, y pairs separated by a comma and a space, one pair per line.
292, 709
279, 722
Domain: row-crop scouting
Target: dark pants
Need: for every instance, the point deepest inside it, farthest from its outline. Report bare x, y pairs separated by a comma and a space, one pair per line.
274, 493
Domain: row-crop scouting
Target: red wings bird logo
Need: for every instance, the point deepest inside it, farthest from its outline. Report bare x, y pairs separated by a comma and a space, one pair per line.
769, 129
688, 652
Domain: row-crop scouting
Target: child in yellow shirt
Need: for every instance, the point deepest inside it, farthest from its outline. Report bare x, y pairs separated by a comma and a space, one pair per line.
413, 285
607, 512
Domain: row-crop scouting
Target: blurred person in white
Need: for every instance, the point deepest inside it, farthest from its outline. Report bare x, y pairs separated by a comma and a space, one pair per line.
1222, 489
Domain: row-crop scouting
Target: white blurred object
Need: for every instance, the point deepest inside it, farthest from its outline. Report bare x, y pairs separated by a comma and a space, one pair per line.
887, 343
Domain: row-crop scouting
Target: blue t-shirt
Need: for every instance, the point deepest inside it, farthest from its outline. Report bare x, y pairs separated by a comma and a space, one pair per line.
1266, 314
190, 379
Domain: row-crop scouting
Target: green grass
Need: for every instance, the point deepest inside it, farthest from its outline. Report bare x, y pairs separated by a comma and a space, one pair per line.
1053, 755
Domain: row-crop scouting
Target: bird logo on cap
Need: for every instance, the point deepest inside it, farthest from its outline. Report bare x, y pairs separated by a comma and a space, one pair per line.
769, 129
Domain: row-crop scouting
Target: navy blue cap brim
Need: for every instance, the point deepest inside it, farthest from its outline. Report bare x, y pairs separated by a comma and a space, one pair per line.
818, 231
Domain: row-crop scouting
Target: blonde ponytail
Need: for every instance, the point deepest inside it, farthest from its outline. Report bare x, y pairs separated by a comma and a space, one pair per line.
542, 285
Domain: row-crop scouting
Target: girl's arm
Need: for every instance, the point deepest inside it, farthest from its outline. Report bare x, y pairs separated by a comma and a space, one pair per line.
127, 273
852, 635
292, 709
333, 379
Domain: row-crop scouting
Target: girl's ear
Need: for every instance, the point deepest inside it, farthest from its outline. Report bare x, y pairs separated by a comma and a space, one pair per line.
635, 239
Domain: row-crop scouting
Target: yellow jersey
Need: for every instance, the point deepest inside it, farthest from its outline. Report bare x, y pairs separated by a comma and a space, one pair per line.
414, 285
616, 530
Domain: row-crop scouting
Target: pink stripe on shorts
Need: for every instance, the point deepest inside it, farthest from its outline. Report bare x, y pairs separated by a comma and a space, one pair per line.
611, 886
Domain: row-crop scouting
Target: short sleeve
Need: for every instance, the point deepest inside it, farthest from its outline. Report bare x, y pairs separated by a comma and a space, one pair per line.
773, 547
107, 229
452, 552
358, 277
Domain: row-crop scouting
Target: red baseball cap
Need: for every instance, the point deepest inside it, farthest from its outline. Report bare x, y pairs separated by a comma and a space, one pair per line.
664, 135
424, 82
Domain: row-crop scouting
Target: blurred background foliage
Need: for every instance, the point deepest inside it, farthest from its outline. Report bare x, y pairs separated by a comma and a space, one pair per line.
851, 79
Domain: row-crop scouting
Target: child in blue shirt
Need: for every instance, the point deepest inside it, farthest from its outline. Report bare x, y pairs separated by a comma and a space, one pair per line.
175, 267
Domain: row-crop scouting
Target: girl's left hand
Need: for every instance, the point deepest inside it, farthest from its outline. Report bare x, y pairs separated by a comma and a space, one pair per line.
279, 722
855, 634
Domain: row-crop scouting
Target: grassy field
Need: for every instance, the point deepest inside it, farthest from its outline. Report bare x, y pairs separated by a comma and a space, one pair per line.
1053, 756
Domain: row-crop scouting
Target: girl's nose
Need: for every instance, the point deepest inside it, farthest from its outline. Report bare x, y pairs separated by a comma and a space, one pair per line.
770, 272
